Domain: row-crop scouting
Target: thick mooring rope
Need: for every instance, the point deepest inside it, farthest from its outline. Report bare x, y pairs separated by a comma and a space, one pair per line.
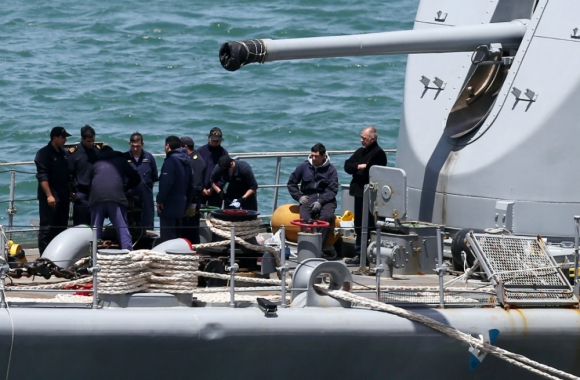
517, 360
147, 271
244, 230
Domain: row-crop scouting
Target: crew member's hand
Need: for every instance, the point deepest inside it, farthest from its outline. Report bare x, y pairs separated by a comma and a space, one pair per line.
73, 197
206, 192
51, 201
315, 208
303, 199
221, 194
159, 208
361, 166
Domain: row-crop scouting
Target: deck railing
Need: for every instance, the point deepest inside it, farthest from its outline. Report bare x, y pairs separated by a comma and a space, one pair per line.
273, 183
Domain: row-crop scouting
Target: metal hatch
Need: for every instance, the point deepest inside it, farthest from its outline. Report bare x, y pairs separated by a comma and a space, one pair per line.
522, 270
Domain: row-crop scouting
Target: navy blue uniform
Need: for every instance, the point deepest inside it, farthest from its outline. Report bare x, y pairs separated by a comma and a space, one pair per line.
52, 166
176, 190
241, 180
111, 175
211, 155
143, 194
190, 222
320, 184
80, 164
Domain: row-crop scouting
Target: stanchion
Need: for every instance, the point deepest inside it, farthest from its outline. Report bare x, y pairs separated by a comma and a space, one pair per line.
233, 268
4, 269
283, 267
441, 269
95, 269
576, 253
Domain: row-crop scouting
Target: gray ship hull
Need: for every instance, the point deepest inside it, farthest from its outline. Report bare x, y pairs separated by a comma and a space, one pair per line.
313, 343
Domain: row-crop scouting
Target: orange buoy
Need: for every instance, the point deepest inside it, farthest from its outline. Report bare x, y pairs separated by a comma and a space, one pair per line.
288, 212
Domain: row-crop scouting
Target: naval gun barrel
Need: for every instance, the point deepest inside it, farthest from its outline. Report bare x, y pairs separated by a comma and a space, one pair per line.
234, 55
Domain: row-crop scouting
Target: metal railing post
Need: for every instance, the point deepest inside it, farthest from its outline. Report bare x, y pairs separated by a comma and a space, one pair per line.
95, 269
233, 268
4, 268
11, 209
440, 269
283, 267
277, 182
379, 269
576, 252
365, 227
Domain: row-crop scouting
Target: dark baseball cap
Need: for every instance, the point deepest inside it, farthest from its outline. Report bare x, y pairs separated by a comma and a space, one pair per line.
215, 134
186, 140
224, 163
59, 132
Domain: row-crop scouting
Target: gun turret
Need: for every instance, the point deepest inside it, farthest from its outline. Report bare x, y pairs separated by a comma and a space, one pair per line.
234, 55
489, 131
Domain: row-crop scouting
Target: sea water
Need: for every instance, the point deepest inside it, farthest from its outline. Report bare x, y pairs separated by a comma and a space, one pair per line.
152, 66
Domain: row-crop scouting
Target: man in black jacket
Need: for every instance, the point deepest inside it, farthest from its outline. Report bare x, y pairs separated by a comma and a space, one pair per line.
190, 222
358, 165
314, 184
80, 163
54, 190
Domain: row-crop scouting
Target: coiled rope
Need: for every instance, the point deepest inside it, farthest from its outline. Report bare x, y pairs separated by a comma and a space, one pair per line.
244, 230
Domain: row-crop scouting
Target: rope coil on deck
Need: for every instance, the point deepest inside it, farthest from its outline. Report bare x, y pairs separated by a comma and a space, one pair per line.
244, 230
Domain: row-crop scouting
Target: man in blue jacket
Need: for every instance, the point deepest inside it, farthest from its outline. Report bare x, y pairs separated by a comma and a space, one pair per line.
314, 184
176, 189
145, 164
111, 177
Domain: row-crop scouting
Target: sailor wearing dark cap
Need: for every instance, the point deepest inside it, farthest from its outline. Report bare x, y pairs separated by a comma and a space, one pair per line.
239, 177
211, 153
190, 221
80, 163
54, 189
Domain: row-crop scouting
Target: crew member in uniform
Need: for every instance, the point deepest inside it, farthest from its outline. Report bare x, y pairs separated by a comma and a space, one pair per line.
314, 184
175, 189
111, 176
358, 165
54, 189
80, 162
145, 164
211, 153
240, 180
190, 222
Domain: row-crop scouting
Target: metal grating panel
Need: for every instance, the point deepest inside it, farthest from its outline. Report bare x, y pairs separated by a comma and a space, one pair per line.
522, 270
431, 297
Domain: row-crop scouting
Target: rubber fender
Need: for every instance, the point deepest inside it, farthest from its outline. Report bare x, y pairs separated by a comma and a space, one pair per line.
69, 246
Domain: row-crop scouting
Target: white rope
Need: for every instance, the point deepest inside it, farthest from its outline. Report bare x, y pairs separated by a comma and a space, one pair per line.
518, 360
248, 229
55, 285
11, 324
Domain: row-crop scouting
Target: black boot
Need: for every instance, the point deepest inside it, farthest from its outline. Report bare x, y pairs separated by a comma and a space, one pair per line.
353, 261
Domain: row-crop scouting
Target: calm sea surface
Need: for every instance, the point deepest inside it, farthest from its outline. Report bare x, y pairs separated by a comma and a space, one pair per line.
152, 66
